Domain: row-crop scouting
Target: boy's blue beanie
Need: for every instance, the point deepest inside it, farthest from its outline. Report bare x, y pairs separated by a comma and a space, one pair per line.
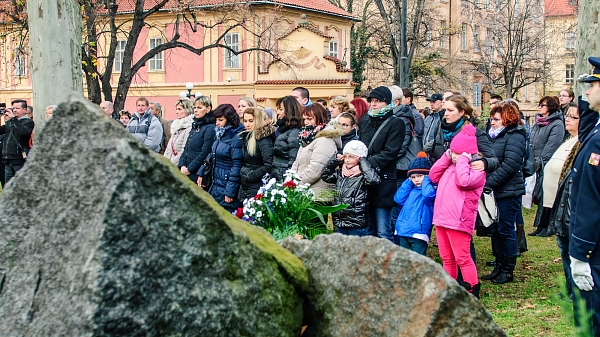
419, 165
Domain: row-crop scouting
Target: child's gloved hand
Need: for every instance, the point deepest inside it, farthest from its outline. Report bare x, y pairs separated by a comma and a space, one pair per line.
449, 154
468, 155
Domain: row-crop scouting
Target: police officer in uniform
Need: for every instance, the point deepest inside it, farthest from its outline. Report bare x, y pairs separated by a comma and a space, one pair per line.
584, 247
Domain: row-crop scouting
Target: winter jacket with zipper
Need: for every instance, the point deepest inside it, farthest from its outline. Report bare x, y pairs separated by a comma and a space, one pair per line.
431, 123
198, 145
352, 135
17, 132
458, 193
561, 210
150, 135
484, 145
228, 155
259, 164
419, 120
352, 191
416, 217
545, 140
507, 180
405, 114
312, 158
180, 130
382, 155
285, 150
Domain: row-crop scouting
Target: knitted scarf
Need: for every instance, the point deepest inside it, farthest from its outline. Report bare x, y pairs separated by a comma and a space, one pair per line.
495, 132
221, 131
381, 112
308, 133
450, 129
541, 120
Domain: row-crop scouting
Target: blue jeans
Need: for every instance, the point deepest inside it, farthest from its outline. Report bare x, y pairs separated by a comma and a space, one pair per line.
353, 231
380, 223
10, 170
563, 248
416, 245
506, 235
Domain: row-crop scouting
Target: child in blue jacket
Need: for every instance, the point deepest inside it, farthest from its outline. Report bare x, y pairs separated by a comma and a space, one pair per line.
416, 196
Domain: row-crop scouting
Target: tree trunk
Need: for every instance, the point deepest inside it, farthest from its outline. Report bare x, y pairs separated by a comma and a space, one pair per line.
55, 52
588, 38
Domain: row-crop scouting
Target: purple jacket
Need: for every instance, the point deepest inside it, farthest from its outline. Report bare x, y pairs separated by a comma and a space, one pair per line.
458, 193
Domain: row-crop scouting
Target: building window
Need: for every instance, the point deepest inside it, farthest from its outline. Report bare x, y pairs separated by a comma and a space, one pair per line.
488, 4
573, 3
476, 39
463, 37
428, 38
477, 94
20, 64
570, 41
517, 7
443, 35
333, 49
232, 40
570, 73
526, 93
488, 41
119, 55
465, 3
477, 3
156, 62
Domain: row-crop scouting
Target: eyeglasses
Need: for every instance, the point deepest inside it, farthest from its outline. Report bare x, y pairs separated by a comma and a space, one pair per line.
496, 119
345, 126
542, 105
571, 117
496, 102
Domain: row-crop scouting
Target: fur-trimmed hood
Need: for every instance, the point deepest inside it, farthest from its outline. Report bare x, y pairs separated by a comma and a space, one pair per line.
333, 131
182, 123
265, 131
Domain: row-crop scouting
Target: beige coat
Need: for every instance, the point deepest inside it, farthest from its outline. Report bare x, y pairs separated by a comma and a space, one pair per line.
311, 161
180, 129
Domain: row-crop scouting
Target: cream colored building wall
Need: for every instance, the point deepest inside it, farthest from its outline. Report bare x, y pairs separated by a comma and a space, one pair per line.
559, 55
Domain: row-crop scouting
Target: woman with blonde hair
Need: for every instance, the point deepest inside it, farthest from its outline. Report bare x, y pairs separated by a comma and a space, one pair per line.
243, 104
258, 139
338, 106
180, 129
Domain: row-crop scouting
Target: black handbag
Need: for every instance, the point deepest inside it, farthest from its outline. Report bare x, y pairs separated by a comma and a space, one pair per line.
538, 190
209, 171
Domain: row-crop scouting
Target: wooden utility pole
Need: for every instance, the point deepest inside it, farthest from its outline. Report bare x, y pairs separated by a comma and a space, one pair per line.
588, 38
55, 52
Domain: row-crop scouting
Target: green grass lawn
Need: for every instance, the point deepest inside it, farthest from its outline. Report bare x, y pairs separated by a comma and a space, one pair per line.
529, 306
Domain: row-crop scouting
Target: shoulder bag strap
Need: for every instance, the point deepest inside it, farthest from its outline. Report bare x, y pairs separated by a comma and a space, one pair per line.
377, 132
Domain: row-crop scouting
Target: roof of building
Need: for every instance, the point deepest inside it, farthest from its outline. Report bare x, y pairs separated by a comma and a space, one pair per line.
560, 7
311, 5
283, 82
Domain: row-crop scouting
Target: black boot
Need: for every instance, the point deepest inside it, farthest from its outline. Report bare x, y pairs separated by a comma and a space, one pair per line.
544, 233
506, 271
521, 238
496, 270
475, 290
536, 231
491, 263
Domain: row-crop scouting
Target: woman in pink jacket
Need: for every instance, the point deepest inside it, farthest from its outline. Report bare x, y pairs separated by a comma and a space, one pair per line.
455, 207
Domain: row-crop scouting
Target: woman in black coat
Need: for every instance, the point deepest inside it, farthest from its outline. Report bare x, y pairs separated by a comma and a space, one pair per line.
200, 139
285, 148
508, 184
258, 151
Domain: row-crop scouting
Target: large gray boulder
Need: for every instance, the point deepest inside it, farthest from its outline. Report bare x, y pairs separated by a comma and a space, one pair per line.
101, 237
372, 287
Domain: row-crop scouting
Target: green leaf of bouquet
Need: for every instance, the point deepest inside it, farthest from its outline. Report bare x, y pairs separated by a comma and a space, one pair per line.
331, 209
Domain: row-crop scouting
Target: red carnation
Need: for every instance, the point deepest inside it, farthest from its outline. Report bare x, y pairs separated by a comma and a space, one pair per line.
290, 184
239, 213
258, 196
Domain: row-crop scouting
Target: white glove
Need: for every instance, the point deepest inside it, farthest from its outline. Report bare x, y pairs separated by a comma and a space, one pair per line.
582, 274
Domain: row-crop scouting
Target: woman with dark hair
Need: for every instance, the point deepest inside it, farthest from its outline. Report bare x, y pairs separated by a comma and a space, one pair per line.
546, 136
459, 113
227, 155
124, 117
361, 107
508, 184
258, 141
318, 143
565, 97
348, 123
285, 149
200, 139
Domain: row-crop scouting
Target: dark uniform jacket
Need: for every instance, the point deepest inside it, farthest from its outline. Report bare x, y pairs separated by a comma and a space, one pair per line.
198, 145
507, 180
285, 150
259, 164
17, 132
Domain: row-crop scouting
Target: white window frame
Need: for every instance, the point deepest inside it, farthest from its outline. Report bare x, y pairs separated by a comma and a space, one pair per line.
570, 41
333, 49
569, 73
476, 39
526, 93
156, 62
489, 38
443, 35
119, 51
20, 63
428, 38
488, 4
463, 37
477, 93
232, 61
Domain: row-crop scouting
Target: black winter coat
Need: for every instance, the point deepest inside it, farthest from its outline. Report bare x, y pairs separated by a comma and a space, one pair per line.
198, 145
17, 132
259, 164
561, 210
507, 180
484, 145
352, 191
382, 155
405, 114
352, 135
285, 150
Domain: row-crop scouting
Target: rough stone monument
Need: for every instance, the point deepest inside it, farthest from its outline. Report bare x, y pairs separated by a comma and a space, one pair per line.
372, 287
101, 237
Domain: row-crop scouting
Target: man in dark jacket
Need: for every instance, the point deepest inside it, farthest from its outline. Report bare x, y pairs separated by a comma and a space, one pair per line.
17, 132
383, 133
419, 120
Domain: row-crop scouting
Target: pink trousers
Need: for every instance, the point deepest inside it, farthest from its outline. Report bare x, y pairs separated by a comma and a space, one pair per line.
455, 251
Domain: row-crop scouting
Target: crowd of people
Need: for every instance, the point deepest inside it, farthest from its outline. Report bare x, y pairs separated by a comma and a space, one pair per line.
401, 171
